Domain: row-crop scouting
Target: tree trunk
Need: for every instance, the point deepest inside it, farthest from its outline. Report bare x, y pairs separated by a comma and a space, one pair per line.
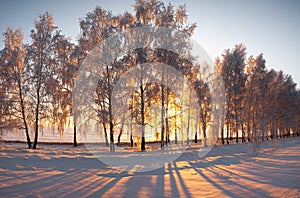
75, 134
248, 132
253, 135
111, 125
37, 117
230, 133
227, 131
263, 132
105, 134
236, 125
36, 132
288, 132
176, 140
23, 115
204, 134
111, 129
167, 132
222, 135
121, 131
237, 131
196, 128
28, 137
111, 132
131, 121
143, 146
111, 145
189, 118
272, 132
162, 111
119, 139
237, 136
243, 134
131, 140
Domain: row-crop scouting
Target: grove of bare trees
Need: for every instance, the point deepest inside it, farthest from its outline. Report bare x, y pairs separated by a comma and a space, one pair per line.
37, 83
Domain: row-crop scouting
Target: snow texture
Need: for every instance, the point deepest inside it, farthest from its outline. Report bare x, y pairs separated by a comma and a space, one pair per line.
268, 169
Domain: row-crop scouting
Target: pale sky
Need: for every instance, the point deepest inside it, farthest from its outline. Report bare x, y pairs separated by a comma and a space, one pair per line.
271, 27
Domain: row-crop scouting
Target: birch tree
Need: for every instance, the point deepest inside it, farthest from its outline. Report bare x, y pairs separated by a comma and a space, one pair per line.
233, 66
41, 71
14, 81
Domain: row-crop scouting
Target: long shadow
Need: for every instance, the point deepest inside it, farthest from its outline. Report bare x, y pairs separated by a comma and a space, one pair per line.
174, 188
250, 192
134, 185
39, 176
40, 180
158, 188
228, 193
69, 183
88, 186
160, 183
17, 176
25, 188
116, 178
114, 173
137, 180
226, 178
223, 161
105, 188
241, 176
186, 192
267, 174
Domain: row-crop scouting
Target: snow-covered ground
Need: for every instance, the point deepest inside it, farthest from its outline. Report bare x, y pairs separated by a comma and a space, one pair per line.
269, 169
